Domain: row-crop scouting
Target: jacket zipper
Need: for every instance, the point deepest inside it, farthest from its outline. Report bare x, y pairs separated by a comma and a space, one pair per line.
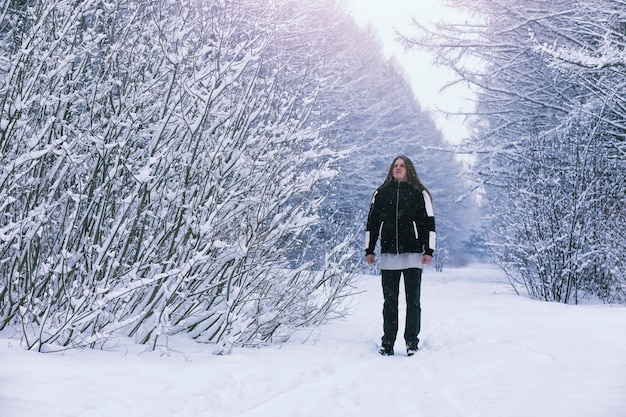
397, 214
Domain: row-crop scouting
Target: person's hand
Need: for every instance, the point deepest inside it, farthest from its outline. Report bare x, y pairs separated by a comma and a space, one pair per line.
370, 259
427, 259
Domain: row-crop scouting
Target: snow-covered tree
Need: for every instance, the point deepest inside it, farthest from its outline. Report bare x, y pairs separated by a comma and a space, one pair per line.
550, 141
158, 163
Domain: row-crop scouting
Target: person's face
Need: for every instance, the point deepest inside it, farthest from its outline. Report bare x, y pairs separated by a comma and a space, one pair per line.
399, 170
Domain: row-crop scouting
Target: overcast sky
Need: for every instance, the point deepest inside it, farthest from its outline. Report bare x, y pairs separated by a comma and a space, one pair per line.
386, 16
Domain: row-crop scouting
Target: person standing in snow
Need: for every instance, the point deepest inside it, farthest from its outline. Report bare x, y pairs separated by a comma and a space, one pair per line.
401, 215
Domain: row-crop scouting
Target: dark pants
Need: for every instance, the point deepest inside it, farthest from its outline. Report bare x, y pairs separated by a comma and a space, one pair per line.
391, 289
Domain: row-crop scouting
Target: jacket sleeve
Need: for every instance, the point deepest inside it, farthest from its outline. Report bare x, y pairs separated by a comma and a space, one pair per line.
429, 225
373, 226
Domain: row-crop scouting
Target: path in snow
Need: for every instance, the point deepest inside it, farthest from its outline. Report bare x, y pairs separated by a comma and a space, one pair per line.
484, 352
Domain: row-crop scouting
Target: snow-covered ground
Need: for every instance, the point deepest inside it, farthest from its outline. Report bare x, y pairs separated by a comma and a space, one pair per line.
485, 352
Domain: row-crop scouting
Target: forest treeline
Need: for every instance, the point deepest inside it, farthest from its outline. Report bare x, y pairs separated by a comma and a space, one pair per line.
205, 167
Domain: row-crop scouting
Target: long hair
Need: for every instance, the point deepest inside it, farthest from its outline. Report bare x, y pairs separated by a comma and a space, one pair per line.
411, 174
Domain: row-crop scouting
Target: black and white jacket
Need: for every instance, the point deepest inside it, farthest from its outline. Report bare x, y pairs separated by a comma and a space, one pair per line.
402, 216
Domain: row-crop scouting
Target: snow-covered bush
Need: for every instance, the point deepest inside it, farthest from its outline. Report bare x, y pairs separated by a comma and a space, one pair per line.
158, 163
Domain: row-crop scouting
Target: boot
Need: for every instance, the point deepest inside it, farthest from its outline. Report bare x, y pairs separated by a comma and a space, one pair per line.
386, 350
411, 348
